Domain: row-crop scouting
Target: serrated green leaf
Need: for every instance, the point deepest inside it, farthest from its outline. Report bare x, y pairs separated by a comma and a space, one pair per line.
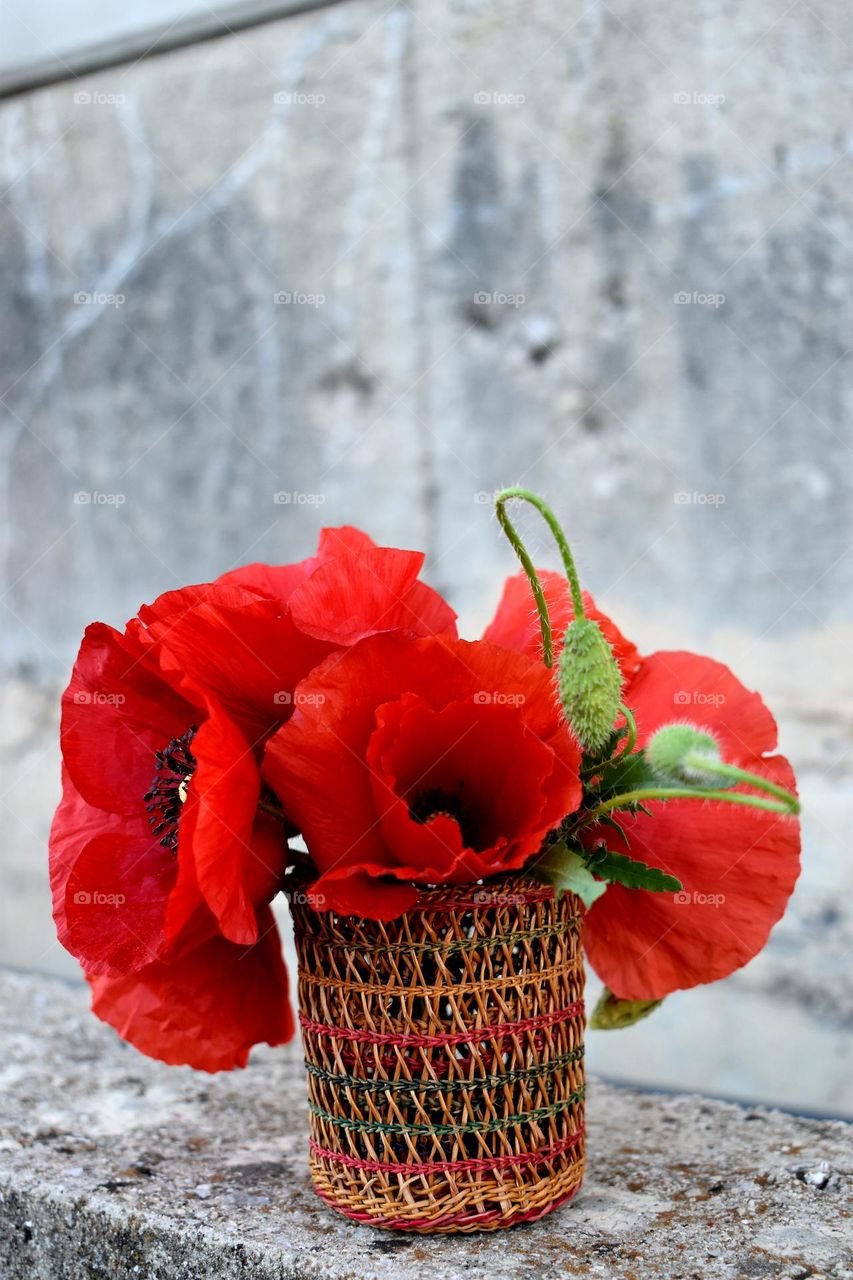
633, 874
611, 1013
567, 871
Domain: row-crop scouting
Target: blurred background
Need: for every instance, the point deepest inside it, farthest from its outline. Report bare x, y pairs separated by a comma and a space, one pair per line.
269, 266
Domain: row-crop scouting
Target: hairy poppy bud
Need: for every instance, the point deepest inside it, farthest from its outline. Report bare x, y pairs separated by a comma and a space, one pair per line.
675, 754
590, 683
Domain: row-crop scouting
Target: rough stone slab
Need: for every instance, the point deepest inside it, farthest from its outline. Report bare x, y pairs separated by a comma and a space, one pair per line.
114, 1166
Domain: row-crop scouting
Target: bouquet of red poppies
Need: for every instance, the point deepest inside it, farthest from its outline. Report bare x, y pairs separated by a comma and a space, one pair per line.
332, 700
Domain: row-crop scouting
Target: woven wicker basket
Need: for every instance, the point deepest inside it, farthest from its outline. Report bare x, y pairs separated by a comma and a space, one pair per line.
445, 1058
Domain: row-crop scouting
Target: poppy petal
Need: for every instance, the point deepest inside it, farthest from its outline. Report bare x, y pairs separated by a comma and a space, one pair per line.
74, 824
374, 590
476, 757
676, 685
279, 581
208, 1008
115, 902
344, 539
350, 725
242, 648
366, 890
217, 820
117, 711
738, 866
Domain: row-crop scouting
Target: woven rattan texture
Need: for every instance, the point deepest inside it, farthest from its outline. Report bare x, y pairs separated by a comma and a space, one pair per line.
444, 1053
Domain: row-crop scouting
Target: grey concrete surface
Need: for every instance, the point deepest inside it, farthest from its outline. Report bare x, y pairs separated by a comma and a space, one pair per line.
113, 1166
656, 205
420, 155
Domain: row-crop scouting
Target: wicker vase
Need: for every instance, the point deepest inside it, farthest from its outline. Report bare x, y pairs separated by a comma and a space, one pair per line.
445, 1057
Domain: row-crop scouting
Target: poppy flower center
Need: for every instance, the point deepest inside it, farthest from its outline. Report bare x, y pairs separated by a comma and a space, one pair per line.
443, 802
174, 767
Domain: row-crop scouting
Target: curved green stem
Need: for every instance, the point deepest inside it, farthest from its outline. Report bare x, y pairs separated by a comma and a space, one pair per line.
525, 495
631, 739
682, 793
696, 760
530, 569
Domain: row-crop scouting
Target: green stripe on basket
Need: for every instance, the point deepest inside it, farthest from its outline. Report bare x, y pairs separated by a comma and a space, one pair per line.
535, 1072
475, 943
428, 1130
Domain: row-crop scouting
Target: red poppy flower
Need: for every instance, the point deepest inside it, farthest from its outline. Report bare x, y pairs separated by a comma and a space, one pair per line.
161, 861
159, 813
156, 850
448, 761
738, 865
516, 622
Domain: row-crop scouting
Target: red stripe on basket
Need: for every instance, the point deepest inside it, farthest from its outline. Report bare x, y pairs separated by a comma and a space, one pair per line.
450, 1220
451, 1166
474, 1036
483, 899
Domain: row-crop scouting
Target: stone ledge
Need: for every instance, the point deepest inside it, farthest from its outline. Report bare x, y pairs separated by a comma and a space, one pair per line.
111, 1165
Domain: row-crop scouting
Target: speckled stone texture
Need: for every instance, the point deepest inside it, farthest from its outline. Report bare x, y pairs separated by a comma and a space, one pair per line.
114, 1166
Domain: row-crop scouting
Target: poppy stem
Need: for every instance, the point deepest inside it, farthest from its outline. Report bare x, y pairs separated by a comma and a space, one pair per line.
700, 760
529, 568
525, 495
631, 739
683, 793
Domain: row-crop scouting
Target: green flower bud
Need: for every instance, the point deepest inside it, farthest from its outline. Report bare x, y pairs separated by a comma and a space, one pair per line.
675, 753
611, 1013
590, 683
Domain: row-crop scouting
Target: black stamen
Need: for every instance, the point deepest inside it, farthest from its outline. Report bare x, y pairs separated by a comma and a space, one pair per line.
174, 766
437, 802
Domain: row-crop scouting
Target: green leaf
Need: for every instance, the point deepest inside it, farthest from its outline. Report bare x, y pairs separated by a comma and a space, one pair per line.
626, 773
611, 1013
566, 870
630, 872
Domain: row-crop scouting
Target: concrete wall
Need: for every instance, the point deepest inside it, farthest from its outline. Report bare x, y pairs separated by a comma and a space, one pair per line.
598, 248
